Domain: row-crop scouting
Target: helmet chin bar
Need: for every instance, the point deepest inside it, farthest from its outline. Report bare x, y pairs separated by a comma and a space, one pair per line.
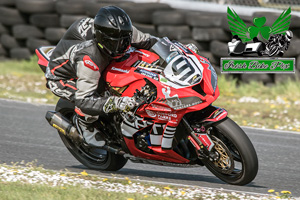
112, 54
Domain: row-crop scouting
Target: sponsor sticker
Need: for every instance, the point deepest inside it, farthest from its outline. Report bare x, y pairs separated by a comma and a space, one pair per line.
161, 115
147, 73
163, 108
120, 70
178, 103
171, 56
90, 64
59, 129
195, 79
205, 139
163, 79
182, 47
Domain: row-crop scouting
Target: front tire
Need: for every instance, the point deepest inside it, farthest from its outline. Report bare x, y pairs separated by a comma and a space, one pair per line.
91, 157
237, 163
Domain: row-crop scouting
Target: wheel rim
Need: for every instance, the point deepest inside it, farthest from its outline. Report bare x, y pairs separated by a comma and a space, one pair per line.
229, 163
94, 155
224, 162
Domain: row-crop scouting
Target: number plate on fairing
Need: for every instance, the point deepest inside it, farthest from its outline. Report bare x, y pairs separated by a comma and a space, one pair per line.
179, 68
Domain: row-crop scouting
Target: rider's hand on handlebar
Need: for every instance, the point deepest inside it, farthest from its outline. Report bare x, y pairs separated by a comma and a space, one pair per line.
114, 104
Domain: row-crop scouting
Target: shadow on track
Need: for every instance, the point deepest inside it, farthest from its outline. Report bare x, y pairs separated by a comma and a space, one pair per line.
192, 179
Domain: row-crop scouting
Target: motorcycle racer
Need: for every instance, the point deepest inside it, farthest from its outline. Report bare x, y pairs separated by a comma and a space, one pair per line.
278, 43
75, 66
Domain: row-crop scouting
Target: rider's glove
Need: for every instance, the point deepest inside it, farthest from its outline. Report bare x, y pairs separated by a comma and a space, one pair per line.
114, 104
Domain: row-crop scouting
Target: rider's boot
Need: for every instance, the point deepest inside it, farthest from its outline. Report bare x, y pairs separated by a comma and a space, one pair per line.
90, 134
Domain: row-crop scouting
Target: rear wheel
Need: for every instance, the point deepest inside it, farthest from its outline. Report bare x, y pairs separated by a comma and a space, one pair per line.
236, 160
91, 157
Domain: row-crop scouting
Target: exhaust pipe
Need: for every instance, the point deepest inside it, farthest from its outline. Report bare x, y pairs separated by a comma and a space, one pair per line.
63, 125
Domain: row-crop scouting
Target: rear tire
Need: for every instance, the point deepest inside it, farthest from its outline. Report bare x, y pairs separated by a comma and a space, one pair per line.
243, 162
94, 158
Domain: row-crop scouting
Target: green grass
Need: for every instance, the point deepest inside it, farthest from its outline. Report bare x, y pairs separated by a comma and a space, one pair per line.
277, 106
290, 90
14, 191
16, 182
19, 68
24, 80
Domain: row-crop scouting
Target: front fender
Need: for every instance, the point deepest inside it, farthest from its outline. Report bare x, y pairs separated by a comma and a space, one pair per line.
216, 115
210, 114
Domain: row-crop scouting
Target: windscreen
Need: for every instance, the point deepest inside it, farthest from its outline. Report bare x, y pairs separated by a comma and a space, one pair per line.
179, 67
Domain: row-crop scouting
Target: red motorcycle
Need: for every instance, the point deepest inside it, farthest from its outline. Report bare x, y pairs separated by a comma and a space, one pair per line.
174, 123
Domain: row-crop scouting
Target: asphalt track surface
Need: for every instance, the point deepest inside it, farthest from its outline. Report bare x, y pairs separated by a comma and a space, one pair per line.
26, 135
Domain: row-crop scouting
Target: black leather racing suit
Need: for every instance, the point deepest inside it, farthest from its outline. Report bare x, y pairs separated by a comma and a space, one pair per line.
76, 64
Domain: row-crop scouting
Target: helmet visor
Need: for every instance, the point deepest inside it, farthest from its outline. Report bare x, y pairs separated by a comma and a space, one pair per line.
115, 46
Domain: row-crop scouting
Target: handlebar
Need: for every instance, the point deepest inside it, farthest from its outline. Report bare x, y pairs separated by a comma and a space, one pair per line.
144, 96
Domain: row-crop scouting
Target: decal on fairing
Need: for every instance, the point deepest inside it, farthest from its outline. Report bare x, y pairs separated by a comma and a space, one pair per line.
196, 79
162, 108
161, 115
171, 56
168, 137
182, 47
136, 63
147, 73
143, 64
182, 70
120, 70
130, 128
156, 134
178, 103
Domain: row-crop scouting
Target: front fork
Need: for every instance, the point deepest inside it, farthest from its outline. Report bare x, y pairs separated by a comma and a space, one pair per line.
201, 150
202, 141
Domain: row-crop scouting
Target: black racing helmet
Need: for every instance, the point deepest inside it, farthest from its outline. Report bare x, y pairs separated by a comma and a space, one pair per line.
113, 30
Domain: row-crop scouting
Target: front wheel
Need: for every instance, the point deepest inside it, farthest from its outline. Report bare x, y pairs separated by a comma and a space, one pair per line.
235, 157
93, 158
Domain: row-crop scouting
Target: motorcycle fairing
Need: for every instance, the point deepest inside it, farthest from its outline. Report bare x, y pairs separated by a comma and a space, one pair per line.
130, 128
172, 99
178, 68
44, 54
163, 155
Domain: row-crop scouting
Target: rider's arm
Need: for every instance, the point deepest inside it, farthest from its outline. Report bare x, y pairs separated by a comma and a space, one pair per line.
86, 96
142, 40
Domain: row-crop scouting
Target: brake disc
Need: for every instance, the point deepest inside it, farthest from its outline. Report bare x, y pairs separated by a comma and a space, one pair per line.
224, 162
